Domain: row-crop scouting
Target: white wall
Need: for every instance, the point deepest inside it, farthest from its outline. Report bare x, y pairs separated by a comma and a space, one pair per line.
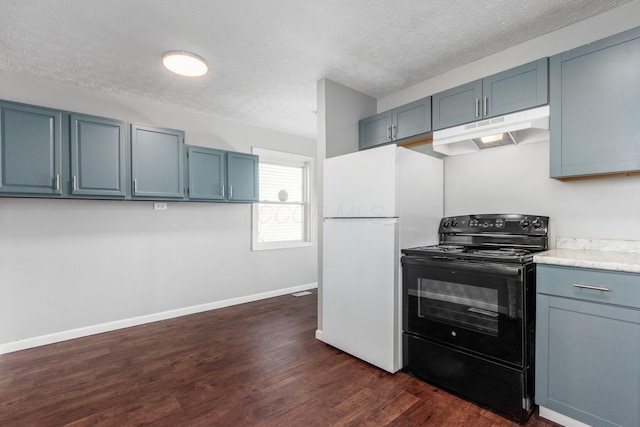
69, 264
516, 178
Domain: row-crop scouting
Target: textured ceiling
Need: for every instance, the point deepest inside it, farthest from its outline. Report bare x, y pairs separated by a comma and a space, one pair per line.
265, 57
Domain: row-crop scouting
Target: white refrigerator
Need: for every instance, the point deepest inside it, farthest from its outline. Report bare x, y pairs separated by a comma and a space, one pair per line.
376, 202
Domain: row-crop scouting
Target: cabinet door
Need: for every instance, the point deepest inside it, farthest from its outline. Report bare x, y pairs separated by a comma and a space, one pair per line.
412, 119
98, 148
375, 130
30, 150
457, 105
207, 172
156, 162
242, 177
587, 364
595, 109
516, 89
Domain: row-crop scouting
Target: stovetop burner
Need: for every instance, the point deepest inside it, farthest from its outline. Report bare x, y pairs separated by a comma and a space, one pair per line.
460, 252
494, 237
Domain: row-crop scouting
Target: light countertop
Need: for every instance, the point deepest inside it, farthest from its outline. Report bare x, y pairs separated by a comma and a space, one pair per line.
614, 255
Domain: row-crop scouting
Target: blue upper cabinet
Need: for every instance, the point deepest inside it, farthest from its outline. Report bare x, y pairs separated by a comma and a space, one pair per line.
216, 175
242, 177
516, 89
394, 125
458, 105
30, 150
98, 156
411, 119
157, 162
595, 108
375, 130
207, 173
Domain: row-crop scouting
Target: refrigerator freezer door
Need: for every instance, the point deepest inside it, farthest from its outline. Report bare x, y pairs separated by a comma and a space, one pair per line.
361, 184
360, 290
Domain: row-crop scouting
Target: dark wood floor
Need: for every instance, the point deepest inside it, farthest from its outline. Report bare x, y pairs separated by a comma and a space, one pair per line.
253, 364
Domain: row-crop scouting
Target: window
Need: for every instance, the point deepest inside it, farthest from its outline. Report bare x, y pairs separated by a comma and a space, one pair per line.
282, 217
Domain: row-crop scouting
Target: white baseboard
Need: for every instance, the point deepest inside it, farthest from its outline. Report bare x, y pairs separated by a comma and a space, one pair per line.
319, 335
135, 321
558, 418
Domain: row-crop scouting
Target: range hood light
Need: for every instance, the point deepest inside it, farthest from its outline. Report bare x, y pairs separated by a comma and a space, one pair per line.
489, 141
492, 138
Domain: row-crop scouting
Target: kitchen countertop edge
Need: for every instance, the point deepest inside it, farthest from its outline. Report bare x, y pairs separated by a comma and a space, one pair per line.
600, 260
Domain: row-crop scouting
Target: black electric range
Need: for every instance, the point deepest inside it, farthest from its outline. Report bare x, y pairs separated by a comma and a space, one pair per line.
469, 309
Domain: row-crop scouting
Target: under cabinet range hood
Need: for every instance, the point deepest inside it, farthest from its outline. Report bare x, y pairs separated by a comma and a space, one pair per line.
517, 128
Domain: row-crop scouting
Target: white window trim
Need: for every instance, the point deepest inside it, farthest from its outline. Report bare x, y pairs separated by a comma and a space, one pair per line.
290, 159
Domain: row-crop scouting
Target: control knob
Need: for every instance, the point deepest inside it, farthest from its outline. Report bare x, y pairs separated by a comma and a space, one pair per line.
536, 223
524, 224
454, 222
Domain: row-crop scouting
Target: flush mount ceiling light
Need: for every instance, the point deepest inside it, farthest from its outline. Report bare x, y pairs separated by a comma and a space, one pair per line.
185, 63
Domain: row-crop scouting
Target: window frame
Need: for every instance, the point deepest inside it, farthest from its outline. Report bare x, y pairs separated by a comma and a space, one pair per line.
285, 159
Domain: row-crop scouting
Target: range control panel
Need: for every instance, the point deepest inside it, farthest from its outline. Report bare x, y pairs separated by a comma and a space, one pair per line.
495, 223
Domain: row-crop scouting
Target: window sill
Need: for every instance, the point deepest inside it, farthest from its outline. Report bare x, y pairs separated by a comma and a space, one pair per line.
279, 245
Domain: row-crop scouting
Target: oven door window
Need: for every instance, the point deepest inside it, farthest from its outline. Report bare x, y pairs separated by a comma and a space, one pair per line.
471, 307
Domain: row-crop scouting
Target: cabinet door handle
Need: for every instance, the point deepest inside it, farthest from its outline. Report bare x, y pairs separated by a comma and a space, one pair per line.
394, 131
593, 288
135, 185
477, 107
75, 183
388, 133
222, 190
57, 181
486, 103
231, 191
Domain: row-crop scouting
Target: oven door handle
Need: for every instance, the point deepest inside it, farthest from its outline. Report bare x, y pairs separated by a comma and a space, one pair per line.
450, 264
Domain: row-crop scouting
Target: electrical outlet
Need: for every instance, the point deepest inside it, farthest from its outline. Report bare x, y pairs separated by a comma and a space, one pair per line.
157, 206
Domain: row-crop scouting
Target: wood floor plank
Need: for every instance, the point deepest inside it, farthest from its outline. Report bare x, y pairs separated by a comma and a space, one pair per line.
252, 364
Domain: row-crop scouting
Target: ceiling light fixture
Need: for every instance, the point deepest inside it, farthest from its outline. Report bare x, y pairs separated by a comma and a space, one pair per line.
185, 63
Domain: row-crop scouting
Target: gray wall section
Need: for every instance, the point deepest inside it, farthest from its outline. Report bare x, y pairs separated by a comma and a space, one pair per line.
70, 264
344, 107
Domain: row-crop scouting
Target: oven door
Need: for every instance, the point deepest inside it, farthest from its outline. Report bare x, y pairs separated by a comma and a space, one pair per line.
475, 306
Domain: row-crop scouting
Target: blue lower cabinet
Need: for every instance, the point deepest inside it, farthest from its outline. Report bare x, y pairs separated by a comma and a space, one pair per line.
30, 150
587, 345
98, 156
157, 163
